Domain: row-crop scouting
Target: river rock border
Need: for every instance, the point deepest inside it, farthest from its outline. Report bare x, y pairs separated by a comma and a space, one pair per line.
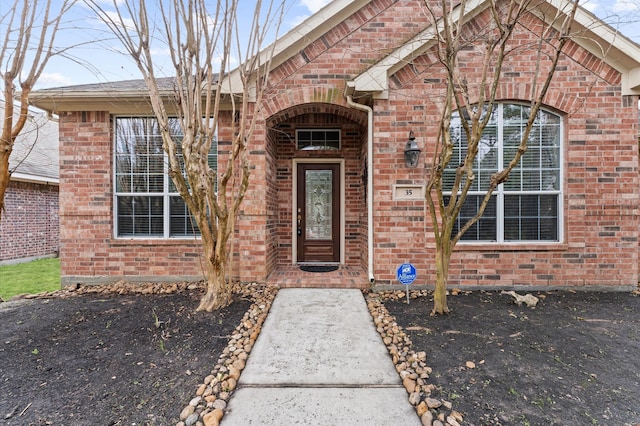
410, 365
208, 406
211, 397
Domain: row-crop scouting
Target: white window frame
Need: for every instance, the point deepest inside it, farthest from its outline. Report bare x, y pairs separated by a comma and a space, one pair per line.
166, 195
318, 147
500, 192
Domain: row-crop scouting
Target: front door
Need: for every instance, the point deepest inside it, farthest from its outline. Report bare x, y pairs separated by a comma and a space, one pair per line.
318, 213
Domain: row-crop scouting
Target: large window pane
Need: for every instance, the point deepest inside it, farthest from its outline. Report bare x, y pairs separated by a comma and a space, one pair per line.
486, 163
485, 228
181, 221
140, 215
529, 206
139, 156
123, 173
141, 183
531, 217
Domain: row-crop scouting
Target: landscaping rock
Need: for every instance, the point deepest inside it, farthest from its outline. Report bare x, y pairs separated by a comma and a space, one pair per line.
187, 411
191, 420
213, 418
427, 418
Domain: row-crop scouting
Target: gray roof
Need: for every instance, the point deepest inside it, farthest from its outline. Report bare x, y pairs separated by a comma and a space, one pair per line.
117, 97
35, 152
164, 84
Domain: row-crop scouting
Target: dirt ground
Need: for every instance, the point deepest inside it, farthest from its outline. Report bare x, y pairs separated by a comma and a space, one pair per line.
107, 359
574, 359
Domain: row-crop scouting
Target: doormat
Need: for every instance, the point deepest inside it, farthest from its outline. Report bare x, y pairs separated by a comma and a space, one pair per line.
318, 268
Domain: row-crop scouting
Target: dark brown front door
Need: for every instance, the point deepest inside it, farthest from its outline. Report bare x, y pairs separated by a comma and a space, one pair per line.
318, 213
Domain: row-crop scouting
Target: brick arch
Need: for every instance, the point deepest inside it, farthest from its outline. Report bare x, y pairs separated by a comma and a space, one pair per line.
561, 101
308, 99
558, 101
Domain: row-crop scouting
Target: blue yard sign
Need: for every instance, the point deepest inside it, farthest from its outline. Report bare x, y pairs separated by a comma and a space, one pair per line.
406, 273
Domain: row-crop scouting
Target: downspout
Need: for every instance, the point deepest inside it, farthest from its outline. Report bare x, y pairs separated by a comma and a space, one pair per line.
369, 111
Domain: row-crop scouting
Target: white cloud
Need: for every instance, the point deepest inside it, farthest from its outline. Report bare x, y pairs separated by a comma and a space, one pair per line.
311, 5
53, 80
111, 2
161, 52
590, 5
127, 22
625, 6
314, 5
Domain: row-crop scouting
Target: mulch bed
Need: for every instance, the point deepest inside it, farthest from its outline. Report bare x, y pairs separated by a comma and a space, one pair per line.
574, 359
107, 359
113, 359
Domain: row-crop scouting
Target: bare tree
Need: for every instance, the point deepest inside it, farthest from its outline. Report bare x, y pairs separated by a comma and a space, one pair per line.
202, 43
470, 101
30, 27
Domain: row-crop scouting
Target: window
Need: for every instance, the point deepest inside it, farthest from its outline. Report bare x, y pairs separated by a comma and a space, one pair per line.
526, 207
318, 139
147, 203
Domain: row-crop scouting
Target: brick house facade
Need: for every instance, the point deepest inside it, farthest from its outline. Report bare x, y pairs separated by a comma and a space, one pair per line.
354, 80
29, 228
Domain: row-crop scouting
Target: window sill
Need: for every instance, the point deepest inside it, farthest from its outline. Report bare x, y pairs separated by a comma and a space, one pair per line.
115, 242
499, 247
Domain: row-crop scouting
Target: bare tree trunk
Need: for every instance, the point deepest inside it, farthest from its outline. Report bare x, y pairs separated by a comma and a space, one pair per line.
443, 256
5, 152
6, 146
219, 290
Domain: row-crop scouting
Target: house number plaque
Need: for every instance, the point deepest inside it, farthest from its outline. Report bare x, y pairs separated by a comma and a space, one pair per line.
408, 192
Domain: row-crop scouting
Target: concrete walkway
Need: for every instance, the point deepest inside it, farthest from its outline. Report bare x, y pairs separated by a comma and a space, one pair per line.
319, 361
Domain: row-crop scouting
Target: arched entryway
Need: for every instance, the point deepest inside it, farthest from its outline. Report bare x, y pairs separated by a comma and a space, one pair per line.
316, 153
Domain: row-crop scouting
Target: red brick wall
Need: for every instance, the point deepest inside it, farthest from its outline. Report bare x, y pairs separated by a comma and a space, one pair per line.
88, 250
353, 136
318, 72
253, 249
600, 246
29, 227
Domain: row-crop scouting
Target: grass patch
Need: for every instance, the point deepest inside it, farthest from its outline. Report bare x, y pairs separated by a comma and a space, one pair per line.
31, 277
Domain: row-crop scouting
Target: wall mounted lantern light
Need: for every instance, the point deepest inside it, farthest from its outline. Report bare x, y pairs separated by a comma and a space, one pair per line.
411, 152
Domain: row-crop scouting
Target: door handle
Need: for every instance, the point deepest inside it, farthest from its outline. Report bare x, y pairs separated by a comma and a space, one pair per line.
299, 222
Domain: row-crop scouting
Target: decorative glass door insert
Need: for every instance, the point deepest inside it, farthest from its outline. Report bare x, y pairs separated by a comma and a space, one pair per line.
319, 204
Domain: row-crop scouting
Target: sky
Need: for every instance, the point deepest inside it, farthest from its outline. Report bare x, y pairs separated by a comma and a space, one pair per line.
101, 61
96, 57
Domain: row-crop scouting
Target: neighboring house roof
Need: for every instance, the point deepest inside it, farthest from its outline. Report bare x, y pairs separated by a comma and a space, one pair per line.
35, 155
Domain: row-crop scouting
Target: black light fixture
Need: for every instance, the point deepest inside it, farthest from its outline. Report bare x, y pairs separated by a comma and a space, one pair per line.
411, 152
